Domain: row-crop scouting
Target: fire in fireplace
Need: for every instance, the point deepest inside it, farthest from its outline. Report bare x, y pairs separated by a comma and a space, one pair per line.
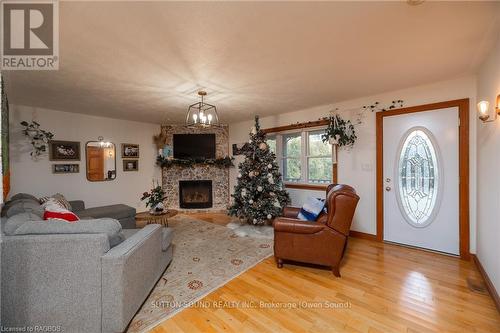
195, 193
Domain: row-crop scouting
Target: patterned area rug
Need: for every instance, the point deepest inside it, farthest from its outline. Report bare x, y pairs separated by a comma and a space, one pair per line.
206, 256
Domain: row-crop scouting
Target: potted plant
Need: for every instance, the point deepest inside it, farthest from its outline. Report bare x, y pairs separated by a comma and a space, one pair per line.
154, 199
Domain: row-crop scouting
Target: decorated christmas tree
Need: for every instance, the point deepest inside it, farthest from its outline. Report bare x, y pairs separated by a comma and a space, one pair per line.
259, 195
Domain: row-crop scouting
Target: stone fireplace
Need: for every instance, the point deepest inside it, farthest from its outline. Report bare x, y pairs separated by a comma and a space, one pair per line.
177, 177
195, 194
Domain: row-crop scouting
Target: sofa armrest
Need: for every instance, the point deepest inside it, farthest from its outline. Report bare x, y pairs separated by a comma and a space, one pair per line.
77, 205
129, 272
291, 212
283, 224
53, 280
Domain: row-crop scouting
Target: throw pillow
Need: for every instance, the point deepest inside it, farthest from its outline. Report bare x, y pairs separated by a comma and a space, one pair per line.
54, 211
22, 206
311, 209
61, 200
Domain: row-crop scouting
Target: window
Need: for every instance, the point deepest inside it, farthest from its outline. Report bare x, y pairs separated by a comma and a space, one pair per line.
303, 156
292, 151
319, 159
418, 178
271, 142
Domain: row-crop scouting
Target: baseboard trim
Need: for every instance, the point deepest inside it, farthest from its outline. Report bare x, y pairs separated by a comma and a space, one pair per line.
362, 235
489, 285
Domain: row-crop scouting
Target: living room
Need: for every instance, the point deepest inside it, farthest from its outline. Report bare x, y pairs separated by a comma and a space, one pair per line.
250, 166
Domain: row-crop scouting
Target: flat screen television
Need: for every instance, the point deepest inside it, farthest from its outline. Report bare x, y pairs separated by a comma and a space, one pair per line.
194, 146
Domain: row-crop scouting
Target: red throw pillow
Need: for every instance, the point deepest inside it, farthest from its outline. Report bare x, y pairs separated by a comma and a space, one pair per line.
61, 215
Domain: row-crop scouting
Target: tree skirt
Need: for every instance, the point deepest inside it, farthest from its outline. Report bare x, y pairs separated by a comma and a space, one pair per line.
205, 257
243, 229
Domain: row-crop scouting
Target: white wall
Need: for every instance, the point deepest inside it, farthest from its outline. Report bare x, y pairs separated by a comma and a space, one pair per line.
36, 177
488, 181
357, 167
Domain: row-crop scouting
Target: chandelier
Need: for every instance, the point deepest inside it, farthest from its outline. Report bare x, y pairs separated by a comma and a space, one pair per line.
202, 114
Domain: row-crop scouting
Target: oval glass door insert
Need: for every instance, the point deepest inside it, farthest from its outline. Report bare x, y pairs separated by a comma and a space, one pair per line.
418, 177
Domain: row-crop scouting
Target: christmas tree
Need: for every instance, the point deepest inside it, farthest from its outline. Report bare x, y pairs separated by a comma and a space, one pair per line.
259, 195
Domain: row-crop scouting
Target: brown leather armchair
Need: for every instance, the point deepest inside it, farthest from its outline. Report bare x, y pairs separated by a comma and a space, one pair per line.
322, 242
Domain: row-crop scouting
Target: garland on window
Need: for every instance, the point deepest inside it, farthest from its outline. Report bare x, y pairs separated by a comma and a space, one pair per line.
339, 132
168, 162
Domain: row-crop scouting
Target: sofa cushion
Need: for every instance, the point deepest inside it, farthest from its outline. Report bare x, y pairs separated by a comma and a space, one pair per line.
30, 224
112, 211
14, 222
23, 206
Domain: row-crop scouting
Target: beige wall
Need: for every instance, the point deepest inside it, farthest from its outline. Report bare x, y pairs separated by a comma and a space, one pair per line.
357, 167
488, 181
36, 176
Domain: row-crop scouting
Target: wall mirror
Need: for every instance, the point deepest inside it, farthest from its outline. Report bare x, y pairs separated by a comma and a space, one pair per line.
101, 161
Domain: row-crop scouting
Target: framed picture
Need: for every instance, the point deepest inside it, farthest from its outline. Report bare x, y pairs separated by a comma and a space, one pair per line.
64, 151
130, 150
130, 165
65, 168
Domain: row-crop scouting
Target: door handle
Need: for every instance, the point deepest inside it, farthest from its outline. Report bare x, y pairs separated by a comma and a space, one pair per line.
388, 188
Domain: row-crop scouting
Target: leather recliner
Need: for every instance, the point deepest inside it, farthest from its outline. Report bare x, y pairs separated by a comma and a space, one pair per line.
322, 242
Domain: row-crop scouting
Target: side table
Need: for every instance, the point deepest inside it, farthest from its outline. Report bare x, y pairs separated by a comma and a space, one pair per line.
145, 218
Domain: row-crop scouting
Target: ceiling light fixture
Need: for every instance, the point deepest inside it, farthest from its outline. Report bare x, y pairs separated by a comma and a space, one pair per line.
202, 114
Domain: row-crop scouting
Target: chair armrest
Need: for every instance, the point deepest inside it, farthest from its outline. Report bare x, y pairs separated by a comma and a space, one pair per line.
291, 212
283, 224
77, 205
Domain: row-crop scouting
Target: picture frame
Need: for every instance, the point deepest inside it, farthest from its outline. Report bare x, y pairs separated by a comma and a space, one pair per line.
130, 150
130, 165
64, 150
65, 168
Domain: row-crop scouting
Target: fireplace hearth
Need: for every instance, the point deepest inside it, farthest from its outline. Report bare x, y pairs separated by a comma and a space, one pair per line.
195, 194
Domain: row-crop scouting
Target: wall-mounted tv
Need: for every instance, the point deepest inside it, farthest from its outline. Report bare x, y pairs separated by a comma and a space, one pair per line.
194, 146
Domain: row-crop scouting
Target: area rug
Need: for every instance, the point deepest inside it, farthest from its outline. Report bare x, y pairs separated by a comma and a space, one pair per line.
206, 256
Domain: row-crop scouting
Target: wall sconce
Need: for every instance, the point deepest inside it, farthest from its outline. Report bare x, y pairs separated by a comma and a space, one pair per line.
483, 108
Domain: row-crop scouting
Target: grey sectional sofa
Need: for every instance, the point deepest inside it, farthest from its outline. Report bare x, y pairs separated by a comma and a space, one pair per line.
77, 282
123, 213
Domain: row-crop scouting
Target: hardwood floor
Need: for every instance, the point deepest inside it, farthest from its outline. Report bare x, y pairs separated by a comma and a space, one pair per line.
384, 288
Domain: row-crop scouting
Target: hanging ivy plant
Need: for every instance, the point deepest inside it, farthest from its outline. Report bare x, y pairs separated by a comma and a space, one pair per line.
340, 132
39, 138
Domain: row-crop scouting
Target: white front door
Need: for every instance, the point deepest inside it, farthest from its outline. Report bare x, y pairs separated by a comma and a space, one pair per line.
421, 179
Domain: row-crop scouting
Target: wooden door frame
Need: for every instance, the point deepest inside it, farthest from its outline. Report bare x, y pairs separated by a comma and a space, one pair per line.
463, 156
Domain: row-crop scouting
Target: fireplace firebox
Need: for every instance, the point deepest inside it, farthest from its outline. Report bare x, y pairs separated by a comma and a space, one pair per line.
195, 194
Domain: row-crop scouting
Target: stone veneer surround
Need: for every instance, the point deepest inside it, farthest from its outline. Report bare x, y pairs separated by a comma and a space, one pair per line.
219, 176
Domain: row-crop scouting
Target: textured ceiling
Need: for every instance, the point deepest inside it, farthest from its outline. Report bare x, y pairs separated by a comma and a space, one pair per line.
146, 60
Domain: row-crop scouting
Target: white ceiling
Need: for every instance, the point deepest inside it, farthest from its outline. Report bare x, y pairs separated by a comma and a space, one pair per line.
146, 60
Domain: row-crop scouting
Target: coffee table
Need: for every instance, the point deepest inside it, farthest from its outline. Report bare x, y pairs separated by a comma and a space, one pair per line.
144, 218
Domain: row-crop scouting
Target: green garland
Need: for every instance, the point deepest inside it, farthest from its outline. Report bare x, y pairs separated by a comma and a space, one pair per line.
223, 162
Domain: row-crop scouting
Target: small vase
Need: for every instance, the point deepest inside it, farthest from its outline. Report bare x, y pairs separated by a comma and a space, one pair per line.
157, 209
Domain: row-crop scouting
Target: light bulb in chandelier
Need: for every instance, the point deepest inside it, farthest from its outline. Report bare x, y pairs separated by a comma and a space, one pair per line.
202, 114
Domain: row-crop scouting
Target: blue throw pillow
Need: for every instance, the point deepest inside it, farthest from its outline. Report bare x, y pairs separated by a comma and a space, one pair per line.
311, 209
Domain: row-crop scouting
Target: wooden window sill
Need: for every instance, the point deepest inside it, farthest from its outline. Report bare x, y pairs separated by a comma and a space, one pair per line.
314, 187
